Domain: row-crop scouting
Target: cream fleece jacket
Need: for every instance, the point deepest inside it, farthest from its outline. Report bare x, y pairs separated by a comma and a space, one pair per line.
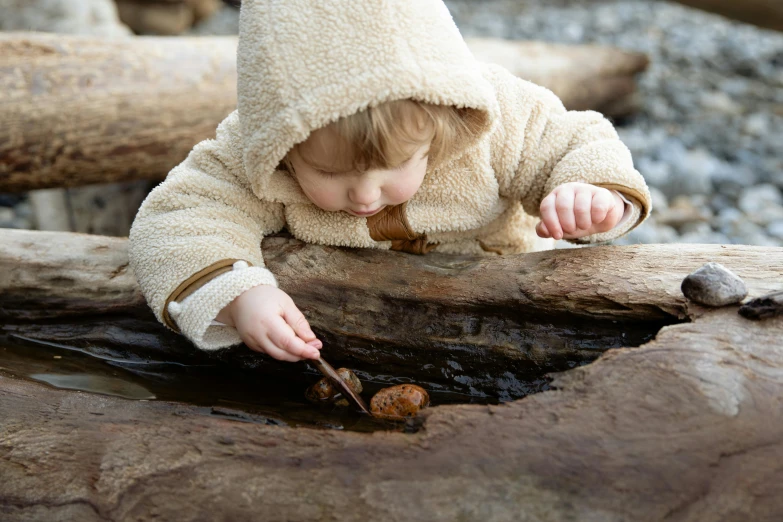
195, 243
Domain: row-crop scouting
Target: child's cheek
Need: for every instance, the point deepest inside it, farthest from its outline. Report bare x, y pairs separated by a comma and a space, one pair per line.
404, 188
324, 195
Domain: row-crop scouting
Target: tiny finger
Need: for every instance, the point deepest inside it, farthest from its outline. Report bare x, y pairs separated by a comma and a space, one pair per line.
279, 354
542, 231
549, 217
614, 215
602, 204
582, 209
296, 319
565, 210
284, 337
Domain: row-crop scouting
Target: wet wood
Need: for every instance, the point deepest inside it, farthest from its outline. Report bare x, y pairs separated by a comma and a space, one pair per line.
764, 13
685, 428
478, 325
83, 110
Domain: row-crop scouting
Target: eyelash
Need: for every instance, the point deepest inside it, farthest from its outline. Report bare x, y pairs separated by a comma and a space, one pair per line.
401, 166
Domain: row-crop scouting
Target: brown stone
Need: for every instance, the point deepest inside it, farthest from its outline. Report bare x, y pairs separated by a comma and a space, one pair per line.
323, 391
399, 402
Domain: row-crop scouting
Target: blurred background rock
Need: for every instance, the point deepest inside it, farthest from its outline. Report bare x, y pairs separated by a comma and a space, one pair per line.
707, 136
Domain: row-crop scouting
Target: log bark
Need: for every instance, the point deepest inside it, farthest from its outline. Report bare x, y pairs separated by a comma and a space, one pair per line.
80, 110
764, 13
489, 326
584, 77
164, 17
684, 428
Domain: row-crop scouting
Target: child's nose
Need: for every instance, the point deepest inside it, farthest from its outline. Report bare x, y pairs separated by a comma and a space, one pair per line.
364, 193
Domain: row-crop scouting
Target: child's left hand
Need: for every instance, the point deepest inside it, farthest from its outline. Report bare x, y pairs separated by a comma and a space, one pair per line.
575, 210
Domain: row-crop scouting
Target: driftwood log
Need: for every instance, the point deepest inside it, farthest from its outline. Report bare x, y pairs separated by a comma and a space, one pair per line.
478, 325
165, 17
687, 427
764, 13
584, 76
82, 110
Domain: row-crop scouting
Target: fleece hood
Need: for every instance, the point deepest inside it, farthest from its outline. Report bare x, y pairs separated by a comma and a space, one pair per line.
303, 64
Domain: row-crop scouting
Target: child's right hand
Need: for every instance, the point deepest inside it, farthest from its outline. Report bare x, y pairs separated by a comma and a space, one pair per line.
268, 321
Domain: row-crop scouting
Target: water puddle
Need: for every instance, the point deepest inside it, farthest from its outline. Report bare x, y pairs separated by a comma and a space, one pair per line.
96, 384
219, 390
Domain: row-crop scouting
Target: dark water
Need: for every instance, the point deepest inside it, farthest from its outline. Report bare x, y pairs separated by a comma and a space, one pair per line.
228, 392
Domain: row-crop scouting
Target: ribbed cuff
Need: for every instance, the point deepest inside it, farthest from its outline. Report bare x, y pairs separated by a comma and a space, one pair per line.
194, 315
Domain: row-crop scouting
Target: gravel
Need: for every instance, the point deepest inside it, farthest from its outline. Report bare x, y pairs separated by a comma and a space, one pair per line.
710, 125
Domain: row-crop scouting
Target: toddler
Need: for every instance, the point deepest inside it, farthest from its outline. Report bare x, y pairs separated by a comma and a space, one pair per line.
367, 124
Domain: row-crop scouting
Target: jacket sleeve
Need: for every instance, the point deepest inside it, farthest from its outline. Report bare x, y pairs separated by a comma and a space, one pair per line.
538, 145
195, 243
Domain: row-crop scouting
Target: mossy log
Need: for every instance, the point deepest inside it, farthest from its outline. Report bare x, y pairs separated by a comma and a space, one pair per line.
477, 325
82, 110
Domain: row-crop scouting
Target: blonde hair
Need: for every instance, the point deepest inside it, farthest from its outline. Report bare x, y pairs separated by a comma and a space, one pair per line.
385, 136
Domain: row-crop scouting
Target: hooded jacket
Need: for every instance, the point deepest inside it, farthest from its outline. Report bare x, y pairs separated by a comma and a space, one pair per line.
195, 244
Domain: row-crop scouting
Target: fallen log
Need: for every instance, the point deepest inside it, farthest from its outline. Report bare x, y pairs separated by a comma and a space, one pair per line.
686, 427
764, 13
583, 76
487, 326
82, 110
165, 17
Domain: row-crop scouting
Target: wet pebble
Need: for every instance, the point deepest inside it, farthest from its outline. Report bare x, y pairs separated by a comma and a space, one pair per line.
399, 402
714, 285
323, 391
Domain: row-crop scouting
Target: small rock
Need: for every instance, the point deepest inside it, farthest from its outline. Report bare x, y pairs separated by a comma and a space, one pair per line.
323, 391
682, 211
775, 229
659, 200
7, 216
757, 124
719, 101
754, 199
399, 402
657, 174
714, 285
763, 307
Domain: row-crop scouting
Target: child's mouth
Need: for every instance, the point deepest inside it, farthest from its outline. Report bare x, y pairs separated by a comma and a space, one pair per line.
366, 213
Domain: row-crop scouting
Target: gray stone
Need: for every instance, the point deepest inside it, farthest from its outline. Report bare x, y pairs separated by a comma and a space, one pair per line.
7, 216
656, 173
775, 229
223, 23
714, 285
659, 201
757, 124
753, 199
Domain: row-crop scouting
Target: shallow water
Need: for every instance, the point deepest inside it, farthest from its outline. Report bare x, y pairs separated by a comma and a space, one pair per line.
228, 392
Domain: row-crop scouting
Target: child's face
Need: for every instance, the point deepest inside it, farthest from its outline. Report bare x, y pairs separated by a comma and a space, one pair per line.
357, 193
